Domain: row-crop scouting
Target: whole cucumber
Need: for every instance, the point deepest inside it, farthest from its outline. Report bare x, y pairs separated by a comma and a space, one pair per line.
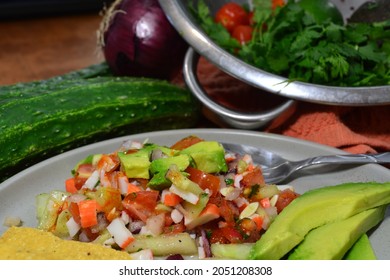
85, 110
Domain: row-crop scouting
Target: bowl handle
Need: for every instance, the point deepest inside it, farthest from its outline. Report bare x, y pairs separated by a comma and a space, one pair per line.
232, 118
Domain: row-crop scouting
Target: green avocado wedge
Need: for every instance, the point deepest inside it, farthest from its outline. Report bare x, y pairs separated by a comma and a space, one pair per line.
361, 250
332, 241
209, 156
315, 208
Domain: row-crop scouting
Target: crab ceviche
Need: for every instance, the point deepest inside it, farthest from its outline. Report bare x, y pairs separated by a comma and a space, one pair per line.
192, 200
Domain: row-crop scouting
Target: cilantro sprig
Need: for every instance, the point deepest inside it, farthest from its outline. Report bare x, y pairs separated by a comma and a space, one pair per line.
287, 41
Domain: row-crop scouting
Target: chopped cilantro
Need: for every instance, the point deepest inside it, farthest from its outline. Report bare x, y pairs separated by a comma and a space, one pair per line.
229, 181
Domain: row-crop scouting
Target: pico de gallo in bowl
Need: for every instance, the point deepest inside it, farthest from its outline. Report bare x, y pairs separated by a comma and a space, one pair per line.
193, 199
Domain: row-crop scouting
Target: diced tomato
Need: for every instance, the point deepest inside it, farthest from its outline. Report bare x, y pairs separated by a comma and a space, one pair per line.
204, 180
249, 229
91, 235
83, 172
141, 205
259, 220
186, 142
108, 162
109, 198
74, 210
168, 219
231, 15
285, 197
226, 235
242, 33
277, 3
247, 225
142, 183
254, 177
174, 228
227, 209
217, 236
132, 188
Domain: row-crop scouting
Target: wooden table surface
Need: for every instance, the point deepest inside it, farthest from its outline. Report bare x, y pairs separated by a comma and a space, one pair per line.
39, 48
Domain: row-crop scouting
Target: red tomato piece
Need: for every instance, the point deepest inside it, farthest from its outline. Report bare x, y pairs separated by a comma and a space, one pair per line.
83, 172
217, 236
254, 177
204, 180
74, 210
186, 142
174, 228
108, 163
226, 235
250, 229
277, 3
242, 33
109, 199
227, 209
231, 15
91, 235
141, 205
285, 197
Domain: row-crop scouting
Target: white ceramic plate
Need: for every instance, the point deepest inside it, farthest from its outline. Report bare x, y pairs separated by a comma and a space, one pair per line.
17, 194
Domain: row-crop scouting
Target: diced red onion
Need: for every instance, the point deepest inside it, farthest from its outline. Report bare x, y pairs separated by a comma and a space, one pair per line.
136, 226
156, 154
101, 225
76, 197
205, 243
175, 257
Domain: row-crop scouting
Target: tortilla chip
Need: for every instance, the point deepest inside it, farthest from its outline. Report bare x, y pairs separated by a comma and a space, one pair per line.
23, 243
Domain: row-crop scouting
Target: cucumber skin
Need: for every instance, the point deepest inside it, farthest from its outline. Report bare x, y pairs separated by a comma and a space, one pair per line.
22, 90
88, 110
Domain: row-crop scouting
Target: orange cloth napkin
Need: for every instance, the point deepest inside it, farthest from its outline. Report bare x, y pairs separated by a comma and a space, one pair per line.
353, 129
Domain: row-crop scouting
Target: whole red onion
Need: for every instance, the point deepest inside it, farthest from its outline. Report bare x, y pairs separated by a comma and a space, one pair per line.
138, 40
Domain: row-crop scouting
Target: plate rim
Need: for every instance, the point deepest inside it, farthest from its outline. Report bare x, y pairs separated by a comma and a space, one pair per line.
216, 131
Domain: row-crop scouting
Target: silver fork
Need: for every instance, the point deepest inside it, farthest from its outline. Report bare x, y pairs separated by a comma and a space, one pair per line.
276, 169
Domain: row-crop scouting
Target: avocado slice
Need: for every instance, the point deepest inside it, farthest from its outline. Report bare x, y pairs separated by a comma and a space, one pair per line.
331, 241
361, 250
159, 182
315, 208
160, 166
136, 165
209, 156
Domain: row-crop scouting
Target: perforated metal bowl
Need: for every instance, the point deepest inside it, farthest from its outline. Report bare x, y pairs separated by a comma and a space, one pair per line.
180, 16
